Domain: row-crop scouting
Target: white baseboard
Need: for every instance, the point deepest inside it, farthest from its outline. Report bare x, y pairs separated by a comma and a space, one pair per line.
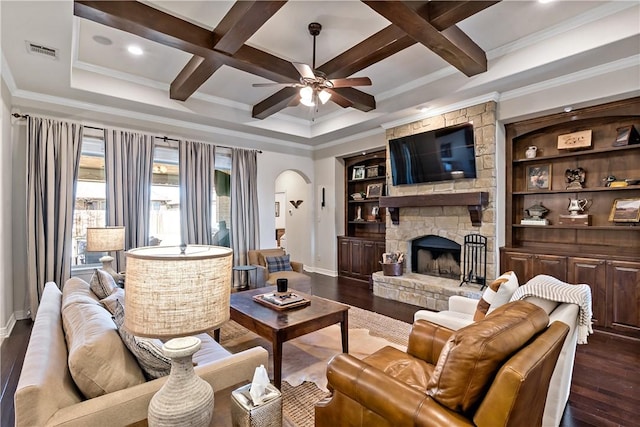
6, 331
21, 314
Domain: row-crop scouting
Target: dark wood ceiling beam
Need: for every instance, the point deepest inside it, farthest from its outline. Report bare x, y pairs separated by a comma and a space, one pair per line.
452, 44
241, 22
355, 98
274, 103
443, 14
149, 23
263, 64
379, 46
238, 25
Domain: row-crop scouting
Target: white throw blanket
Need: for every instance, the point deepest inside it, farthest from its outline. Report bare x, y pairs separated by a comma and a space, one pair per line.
550, 288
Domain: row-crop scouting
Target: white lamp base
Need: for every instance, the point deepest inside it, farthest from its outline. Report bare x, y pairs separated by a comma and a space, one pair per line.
185, 399
106, 266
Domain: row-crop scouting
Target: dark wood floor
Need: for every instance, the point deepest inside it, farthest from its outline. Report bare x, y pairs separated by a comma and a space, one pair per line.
605, 391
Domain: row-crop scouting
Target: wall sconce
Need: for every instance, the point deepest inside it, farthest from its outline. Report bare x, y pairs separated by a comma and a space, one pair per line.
295, 203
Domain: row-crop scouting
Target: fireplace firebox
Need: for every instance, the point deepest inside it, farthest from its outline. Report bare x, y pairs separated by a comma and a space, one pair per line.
436, 256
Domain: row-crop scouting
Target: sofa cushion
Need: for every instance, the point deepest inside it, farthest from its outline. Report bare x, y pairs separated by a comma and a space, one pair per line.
497, 293
99, 361
148, 351
278, 263
77, 291
110, 302
472, 355
102, 283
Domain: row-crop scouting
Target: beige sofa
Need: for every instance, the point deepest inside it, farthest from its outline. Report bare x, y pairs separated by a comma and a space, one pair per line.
48, 395
461, 312
296, 277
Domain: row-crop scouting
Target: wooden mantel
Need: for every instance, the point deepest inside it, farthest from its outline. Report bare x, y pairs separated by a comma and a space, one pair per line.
473, 200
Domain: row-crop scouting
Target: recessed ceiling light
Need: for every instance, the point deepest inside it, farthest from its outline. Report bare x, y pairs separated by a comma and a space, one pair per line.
424, 109
102, 40
568, 109
544, 1
135, 50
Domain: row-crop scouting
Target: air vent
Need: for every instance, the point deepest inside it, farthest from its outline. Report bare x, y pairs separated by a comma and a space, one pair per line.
37, 49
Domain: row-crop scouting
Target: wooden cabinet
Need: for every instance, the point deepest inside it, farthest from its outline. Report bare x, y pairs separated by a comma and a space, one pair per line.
359, 258
603, 254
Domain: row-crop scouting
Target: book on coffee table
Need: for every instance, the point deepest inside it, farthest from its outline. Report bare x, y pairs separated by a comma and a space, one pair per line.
281, 301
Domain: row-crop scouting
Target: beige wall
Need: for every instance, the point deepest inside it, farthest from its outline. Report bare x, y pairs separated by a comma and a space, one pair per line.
6, 268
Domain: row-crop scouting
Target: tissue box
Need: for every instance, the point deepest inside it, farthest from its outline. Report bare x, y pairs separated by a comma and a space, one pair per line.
245, 414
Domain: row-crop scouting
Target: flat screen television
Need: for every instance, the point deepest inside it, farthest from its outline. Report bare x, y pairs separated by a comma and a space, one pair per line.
437, 155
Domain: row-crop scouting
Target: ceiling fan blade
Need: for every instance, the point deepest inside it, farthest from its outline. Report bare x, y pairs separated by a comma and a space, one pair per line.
275, 84
304, 70
354, 81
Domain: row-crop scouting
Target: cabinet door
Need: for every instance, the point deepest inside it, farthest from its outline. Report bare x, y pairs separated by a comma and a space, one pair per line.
344, 257
623, 294
368, 258
355, 257
519, 263
593, 273
551, 265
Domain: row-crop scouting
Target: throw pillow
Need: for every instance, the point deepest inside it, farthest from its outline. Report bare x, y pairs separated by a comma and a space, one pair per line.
102, 283
112, 300
148, 351
278, 263
497, 293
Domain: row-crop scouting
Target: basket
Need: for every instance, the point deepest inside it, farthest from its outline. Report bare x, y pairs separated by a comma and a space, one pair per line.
392, 269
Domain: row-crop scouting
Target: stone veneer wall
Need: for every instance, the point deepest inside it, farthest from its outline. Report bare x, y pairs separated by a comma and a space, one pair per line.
452, 222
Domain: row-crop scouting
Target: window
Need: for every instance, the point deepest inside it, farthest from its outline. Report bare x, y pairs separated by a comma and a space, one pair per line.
90, 209
164, 221
221, 198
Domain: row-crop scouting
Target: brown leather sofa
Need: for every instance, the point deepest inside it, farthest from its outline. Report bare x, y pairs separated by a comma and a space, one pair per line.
494, 372
296, 277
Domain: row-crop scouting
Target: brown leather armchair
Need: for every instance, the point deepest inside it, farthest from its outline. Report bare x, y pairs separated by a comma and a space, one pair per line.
296, 278
494, 372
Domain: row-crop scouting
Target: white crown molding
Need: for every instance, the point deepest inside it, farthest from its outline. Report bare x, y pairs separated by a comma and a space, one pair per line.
493, 96
415, 84
56, 100
354, 137
586, 18
7, 76
588, 73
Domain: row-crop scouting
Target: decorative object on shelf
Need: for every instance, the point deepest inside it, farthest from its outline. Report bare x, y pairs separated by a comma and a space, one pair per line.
625, 210
392, 263
538, 177
106, 239
576, 217
200, 278
626, 135
575, 140
631, 181
375, 214
358, 196
374, 190
358, 172
575, 178
295, 203
535, 215
373, 171
358, 214
531, 152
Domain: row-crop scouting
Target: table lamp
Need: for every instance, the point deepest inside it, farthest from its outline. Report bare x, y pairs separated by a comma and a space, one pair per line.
106, 239
175, 292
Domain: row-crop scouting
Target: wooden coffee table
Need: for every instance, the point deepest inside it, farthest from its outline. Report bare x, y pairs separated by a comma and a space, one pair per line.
280, 326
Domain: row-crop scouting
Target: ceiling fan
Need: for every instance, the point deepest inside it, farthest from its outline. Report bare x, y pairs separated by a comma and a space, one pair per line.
314, 85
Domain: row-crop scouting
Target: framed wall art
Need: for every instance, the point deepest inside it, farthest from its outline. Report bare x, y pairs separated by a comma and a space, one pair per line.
538, 177
575, 140
374, 190
625, 210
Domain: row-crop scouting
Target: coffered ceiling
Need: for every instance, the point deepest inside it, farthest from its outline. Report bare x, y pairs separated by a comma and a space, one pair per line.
200, 58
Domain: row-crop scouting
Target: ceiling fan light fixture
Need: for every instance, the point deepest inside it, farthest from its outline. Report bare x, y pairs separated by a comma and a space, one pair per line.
306, 93
324, 96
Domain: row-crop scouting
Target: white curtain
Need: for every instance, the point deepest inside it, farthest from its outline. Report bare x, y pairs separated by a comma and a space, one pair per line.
245, 227
53, 156
128, 160
197, 165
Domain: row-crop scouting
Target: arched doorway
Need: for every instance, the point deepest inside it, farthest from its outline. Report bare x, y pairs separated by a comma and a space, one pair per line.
293, 196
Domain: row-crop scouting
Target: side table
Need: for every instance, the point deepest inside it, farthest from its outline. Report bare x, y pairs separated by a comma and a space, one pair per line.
247, 269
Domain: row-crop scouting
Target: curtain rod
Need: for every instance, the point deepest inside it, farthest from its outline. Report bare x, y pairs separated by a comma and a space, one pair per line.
165, 138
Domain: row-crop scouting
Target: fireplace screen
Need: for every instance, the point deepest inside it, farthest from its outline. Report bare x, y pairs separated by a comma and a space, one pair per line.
475, 260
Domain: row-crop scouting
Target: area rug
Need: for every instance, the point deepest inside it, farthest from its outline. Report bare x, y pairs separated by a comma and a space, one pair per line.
305, 359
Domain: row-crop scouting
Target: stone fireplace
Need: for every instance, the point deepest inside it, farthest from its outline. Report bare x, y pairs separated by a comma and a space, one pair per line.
444, 213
